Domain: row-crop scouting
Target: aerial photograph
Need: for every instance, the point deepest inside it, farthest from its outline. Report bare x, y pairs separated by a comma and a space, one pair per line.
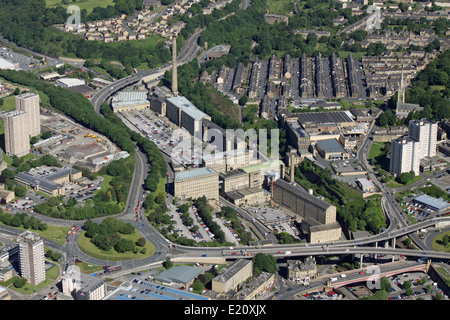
231, 157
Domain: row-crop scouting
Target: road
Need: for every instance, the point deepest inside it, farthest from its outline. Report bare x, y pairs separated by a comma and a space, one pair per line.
396, 215
186, 54
396, 228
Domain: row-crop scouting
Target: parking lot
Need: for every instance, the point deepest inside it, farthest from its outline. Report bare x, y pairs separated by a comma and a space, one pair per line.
274, 220
145, 290
201, 232
406, 286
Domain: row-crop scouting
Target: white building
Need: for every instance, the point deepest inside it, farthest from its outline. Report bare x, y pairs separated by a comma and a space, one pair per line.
29, 102
405, 156
82, 286
17, 139
31, 252
70, 82
424, 131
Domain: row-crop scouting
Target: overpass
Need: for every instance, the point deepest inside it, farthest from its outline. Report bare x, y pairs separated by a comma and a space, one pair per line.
186, 54
374, 273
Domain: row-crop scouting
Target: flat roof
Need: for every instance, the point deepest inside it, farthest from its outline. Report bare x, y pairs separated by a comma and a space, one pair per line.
325, 117
194, 173
331, 146
179, 274
437, 204
186, 106
297, 128
144, 290
130, 96
365, 183
262, 166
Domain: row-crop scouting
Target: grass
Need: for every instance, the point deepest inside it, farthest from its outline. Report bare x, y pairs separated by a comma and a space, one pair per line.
54, 233
222, 103
88, 268
393, 184
90, 249
438, 245
347, 105
281, 6
51, 275
356, 55
89, 5
376, 149
9, 103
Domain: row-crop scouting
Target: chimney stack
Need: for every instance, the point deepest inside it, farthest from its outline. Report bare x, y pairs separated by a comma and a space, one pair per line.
174, 68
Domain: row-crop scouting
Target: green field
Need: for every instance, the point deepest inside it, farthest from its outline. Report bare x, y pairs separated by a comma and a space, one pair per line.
51, 275
89, 5
281, 6
438, 245
90, 249
376, 149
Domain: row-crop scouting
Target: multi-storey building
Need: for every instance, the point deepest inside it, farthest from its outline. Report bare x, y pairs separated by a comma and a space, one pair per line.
318, 216
184, 114
17, 138
405, 156
31, 253
196, 183
233, 276
29, 102
303, 203
82, 286
424, 131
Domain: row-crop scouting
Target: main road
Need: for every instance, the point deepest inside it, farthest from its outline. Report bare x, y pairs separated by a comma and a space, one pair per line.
163, 247
187, 53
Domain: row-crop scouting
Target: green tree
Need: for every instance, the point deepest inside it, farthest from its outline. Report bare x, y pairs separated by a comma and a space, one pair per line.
264, 263
445, 240
124, 245
20, 191
19, 282
198, 285
168, 263
141, 242
385, 284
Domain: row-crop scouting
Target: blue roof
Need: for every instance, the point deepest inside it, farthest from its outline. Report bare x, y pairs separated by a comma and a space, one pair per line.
331, 145
437, 204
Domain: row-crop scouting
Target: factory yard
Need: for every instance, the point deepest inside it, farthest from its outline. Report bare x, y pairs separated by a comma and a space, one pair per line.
76, 145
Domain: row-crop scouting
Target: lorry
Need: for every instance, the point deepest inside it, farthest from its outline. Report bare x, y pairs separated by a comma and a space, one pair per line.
333, 279
287, 252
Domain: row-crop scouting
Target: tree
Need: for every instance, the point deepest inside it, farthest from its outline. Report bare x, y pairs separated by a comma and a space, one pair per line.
264, 263
20, 191
168, 263
141, 242
243, 100
385, 284
198, 285
445, 240
20, 282
406, 177
124, 245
